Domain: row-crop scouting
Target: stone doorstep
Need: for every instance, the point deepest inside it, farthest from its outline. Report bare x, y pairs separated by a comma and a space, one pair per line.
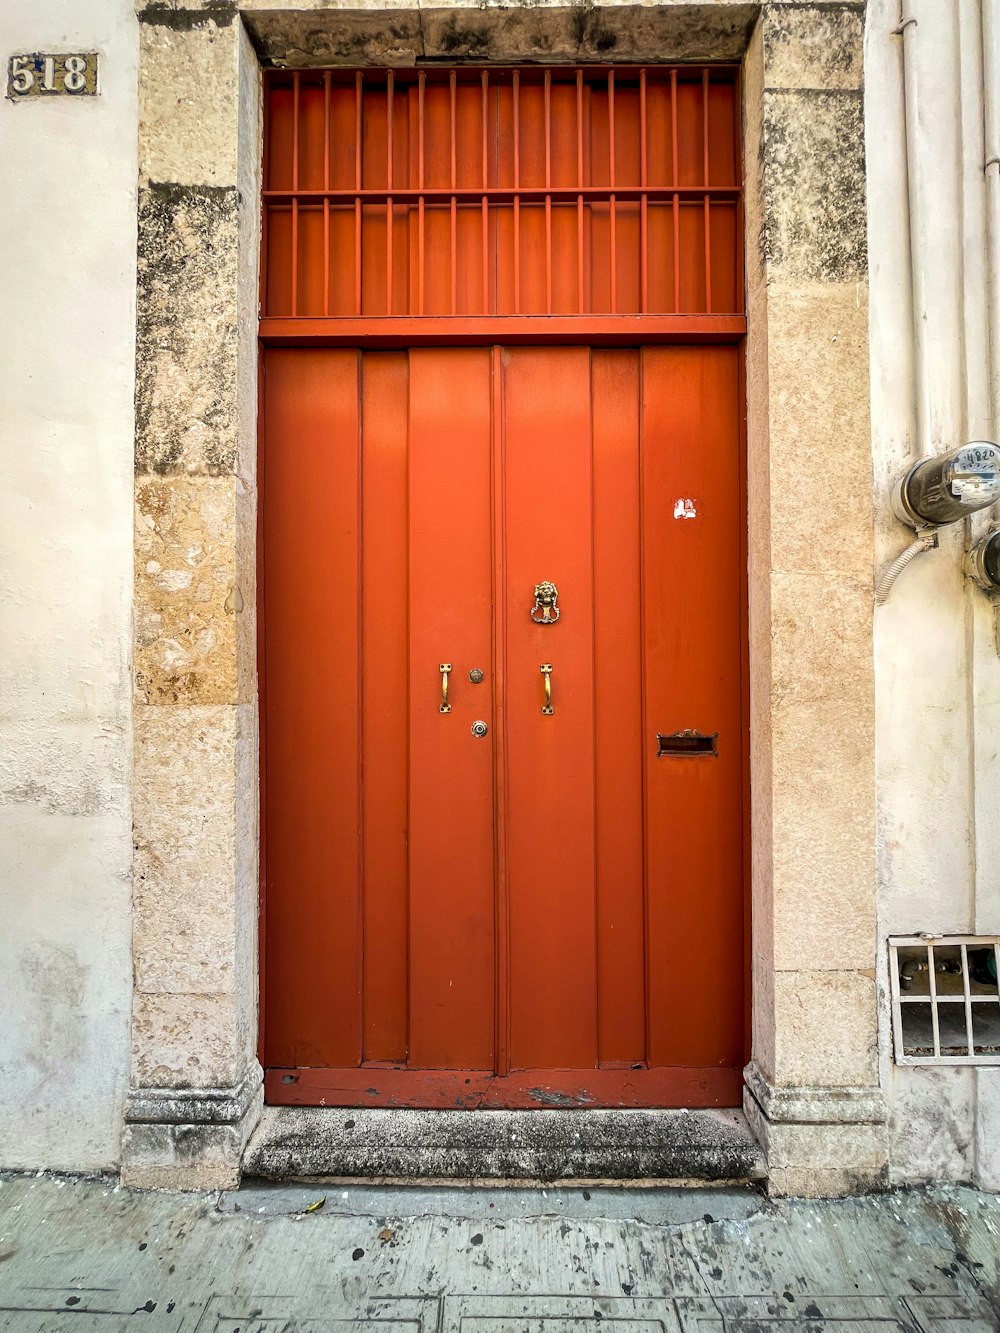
545, 1145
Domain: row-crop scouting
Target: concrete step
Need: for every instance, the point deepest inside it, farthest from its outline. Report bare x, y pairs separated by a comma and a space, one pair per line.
368, 1143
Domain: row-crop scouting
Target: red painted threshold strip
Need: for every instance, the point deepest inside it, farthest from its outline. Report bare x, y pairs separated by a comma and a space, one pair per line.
510, 330
478, 1089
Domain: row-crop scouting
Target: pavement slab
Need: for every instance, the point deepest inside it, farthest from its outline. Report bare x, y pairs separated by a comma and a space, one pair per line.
85, 1255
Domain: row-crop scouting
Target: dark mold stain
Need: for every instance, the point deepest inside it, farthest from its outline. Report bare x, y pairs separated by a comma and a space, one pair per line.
162, 15
187, 257
814, 181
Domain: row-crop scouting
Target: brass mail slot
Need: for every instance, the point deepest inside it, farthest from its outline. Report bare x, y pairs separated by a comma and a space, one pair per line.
686, 743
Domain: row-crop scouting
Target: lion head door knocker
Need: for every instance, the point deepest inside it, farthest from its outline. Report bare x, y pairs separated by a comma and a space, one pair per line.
545, 611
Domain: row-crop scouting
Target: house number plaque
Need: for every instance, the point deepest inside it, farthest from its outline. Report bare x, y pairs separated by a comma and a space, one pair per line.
42, 75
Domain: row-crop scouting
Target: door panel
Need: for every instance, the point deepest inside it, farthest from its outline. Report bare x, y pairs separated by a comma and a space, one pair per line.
451, 772
311, 668
550, 760
384, 711
618, 745
692, 589
548, 914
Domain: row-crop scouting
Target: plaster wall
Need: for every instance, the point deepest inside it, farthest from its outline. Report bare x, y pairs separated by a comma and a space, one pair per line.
67, 302
937, 672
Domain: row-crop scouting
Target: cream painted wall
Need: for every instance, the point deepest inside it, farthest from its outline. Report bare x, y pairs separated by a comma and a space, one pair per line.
936, 667
67, 304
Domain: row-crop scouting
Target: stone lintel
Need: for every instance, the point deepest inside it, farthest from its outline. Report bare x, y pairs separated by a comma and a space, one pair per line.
410, 34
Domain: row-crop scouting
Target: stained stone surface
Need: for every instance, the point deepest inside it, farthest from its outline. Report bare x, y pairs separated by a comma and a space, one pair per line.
86, 1255
546, 1145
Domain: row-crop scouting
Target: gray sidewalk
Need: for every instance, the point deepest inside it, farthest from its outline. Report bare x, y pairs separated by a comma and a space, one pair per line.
82, 1255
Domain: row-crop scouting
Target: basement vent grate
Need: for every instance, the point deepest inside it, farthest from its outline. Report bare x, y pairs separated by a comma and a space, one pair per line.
945, 1000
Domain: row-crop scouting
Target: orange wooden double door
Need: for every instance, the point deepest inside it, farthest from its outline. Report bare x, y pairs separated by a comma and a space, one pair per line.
504, 834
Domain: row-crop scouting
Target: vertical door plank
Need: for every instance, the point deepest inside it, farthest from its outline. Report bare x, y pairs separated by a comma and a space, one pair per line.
451, 771
692, 592
550, 824
384, 389
618, 710
310, 563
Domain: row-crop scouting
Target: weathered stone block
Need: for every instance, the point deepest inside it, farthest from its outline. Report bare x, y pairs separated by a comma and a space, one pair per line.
820, 471
187, 594
821, 645
181, 1157
825, 1029
186, 363
185, 823
814, 46
186, 79
813, 165
185, 1041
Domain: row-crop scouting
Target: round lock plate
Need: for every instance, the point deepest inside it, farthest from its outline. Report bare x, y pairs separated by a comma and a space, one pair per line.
477, 675
479, 729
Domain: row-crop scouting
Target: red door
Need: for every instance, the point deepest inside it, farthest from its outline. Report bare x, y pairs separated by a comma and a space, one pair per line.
497, 904
503, 854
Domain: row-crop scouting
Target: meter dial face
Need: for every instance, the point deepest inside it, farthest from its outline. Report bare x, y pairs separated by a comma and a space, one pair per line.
975, 474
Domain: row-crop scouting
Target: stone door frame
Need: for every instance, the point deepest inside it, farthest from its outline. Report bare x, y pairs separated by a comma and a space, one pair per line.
812, 1093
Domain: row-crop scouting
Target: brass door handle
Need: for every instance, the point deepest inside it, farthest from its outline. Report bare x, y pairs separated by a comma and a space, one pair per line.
546, 670
445, 669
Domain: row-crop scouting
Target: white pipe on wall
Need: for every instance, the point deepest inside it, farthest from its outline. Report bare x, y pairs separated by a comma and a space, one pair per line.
931, 72
991, 121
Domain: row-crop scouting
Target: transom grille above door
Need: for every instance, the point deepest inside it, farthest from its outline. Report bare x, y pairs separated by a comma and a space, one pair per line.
585, 193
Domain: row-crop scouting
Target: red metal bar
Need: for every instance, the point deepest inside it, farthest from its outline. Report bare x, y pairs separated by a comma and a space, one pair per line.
358, 142
613, 230
326, 186
357, 258
740, 220
295, 186
421, 89
389, 110
486, 258
486, 182
388, 257
579, 197
548, 197
676, 212
454, 256
421, 264
548, 128
486, 129
453, 216
452, 83
517, 198
708, 201
611, 128
517, 130
264, 211
579, 129
389, 117
473, 331
503, 195
643, 173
